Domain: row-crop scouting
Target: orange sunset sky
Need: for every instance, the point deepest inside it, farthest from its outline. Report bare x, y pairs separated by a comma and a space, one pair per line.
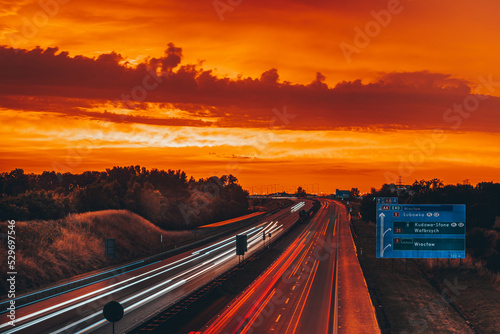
337, 93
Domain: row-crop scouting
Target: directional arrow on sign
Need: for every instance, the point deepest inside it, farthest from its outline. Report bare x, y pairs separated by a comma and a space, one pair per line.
381, 242
389, 245
389, 229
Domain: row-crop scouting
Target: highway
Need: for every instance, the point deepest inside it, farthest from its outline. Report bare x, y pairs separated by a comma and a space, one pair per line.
299, 292
296, 294
145, 291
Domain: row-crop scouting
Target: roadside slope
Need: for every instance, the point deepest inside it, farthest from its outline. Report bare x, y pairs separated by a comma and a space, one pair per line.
49, 251
356, 311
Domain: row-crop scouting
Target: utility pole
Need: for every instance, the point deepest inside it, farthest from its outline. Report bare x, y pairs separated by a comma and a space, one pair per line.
400, 181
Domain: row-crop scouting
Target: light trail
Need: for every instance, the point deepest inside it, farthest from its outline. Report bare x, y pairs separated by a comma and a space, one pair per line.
297, 207
311, 280
245, 314
283, 259
149, 275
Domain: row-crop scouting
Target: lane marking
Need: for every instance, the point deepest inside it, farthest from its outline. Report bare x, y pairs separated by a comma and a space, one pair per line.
309, 282
257, 313
283, 262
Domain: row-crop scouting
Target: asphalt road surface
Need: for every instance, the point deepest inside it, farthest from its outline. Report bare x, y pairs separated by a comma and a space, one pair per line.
300, 292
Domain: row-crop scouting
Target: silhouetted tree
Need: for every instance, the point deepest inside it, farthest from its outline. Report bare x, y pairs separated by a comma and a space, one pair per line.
164, 197
15, 183
479, 243
368, 208
480, 215
301, 192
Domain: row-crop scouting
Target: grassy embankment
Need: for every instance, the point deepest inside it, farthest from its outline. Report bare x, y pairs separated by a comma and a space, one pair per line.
54, 250
428, 297
49, 251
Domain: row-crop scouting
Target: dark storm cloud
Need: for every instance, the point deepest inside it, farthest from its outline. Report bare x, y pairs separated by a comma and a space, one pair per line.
416, 100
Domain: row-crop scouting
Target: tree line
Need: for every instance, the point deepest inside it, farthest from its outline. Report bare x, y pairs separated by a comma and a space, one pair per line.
168, 199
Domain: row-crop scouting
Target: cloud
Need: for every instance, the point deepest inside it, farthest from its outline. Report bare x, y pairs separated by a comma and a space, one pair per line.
414, 100
270, 77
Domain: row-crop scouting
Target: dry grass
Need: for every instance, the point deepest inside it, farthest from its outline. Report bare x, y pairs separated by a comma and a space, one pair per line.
48, 251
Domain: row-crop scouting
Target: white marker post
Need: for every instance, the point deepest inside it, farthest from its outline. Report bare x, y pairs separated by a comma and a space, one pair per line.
381, 241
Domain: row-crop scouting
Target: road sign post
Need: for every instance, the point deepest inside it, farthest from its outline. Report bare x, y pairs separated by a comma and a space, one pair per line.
113, 312
110, 248
420, 230
241, 245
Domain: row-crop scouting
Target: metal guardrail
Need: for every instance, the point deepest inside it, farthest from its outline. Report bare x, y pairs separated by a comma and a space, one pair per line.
73, 285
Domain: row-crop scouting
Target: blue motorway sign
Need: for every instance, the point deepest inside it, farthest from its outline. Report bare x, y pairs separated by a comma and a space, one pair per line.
342, 193
420, 230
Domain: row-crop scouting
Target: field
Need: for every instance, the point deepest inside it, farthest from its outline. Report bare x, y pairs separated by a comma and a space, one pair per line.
49, 251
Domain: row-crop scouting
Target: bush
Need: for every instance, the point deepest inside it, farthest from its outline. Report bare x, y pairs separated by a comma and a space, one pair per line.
480, 242
32, 205
493, 262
